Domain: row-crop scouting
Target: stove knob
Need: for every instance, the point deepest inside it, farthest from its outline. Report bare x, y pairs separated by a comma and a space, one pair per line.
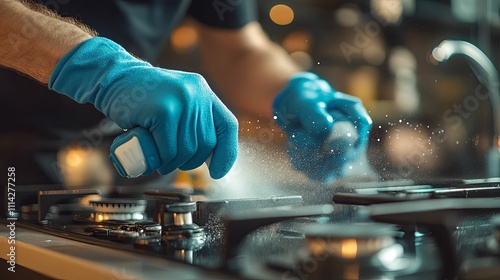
177, 213
181, 207
184, 255
181, 212
183, 249
179, 226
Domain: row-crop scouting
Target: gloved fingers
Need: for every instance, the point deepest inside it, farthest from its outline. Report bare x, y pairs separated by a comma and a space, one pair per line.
315, 165
303, 159
198, 159
226, 148
187, 143
206, 143
320, 161
323, 85
309, 159
315, 118
341, 147
341, 158
165, 130
357, 113
285, 116
338, 116
302, 139
363, 123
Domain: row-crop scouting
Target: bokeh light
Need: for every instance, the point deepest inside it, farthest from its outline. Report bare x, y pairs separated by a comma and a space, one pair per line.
303, 59
281, 14
298, 40
347, 16
184, 38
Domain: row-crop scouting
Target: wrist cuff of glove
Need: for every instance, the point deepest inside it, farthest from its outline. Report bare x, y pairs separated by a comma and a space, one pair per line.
60, 64
89, 67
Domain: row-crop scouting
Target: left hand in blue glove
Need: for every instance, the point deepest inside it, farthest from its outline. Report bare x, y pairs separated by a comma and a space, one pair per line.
308, 110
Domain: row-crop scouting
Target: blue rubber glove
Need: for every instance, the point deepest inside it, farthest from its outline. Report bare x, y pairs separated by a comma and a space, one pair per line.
185, 118
307, 109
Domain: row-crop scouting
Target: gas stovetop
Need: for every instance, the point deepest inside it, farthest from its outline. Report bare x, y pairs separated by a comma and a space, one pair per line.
432, 230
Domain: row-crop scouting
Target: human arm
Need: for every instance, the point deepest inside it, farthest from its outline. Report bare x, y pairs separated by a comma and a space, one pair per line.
185, 119
34, 39
258, 77
246, 66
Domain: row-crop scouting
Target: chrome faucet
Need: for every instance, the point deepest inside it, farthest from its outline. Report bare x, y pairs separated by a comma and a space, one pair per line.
486, 73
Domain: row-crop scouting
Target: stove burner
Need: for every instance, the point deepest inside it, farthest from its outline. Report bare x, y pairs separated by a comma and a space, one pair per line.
99, 217
118, 209
349, 241
354, 251
119, 205
427, 232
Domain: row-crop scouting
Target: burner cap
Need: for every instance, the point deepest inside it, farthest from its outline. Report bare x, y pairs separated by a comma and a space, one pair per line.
119, 205
118, 217
351, 231
181, 207
349, 241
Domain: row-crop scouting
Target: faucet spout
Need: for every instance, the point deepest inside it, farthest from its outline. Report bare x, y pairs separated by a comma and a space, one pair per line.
487, 75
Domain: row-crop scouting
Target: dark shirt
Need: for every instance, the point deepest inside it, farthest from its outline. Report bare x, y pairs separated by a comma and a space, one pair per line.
143, 26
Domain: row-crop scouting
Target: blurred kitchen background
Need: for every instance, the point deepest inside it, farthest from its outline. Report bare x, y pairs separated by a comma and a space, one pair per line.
430, 119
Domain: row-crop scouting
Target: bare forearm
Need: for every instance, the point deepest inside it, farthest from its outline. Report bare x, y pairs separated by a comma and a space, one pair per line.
250, 77
33, 39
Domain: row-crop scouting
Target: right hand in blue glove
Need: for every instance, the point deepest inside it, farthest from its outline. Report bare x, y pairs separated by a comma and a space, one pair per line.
186, 121
311, 112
